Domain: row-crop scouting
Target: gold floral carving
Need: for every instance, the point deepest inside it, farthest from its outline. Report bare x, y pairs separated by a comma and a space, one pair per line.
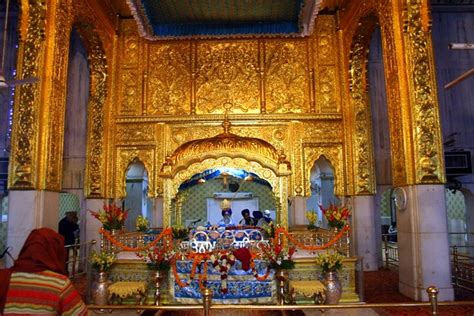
130, 90
334, 154
325, 40
392, 86
362, 138
169, 79
127, 156
135, 134
23, 170
326, 70
57, 98
253, 149
130, 83
223, 72
286, 77
427, 135
96, 164
324, 131
326, 89
130, 43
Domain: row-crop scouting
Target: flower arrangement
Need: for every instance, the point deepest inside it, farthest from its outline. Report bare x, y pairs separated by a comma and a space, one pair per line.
141, 224
312, 218
222, 262
337, 216
269, 230
102, 261
180, 232
330, 261
111, 216
279, 257
158, 258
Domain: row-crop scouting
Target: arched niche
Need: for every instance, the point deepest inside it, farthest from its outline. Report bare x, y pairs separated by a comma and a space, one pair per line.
278, 182
136, 199
200, 197
232, 151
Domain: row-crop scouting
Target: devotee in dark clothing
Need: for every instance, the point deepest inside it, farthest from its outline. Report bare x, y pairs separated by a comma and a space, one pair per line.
258, 218
246, 219
39, 273
69, 228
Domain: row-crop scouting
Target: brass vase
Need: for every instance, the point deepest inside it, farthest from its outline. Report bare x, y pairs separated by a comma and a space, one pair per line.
333, 287
100, 290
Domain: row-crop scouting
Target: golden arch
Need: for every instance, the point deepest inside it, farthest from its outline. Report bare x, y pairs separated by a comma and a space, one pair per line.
227, 150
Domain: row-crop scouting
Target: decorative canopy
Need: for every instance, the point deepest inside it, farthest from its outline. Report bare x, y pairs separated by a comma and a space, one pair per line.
170, 19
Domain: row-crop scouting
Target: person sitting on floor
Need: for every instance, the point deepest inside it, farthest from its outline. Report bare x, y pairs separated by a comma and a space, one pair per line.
226, 220
258, 218
246, 220
37, 284
267, 217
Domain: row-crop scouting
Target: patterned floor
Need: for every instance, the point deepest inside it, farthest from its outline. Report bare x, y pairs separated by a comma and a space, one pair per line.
379, 287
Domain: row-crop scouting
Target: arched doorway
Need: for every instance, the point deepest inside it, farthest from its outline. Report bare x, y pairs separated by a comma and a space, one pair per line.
199, 199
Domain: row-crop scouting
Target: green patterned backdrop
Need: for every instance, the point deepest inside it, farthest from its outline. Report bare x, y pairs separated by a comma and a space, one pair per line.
3, 224
195, 201
68, 202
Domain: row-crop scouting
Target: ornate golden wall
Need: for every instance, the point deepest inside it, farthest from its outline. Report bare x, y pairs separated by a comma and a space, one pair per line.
283, 91
306, 97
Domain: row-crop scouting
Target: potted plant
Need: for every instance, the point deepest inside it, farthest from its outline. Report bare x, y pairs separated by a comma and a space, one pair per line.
141, 224
312, 218
337, 216
102, 262
111, 216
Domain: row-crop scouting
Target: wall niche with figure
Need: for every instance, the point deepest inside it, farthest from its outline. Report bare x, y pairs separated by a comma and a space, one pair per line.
322, 188
198, 202
136, 200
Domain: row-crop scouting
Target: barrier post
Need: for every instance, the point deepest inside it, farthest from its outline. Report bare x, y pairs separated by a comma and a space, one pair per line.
433, 295
207, 300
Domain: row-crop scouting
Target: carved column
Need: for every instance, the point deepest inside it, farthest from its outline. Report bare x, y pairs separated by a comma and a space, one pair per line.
422, 227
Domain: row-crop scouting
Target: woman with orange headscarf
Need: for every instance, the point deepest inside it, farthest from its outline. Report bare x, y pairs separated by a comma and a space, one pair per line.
37, 284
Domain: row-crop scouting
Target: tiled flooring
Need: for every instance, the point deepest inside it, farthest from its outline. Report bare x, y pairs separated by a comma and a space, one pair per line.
379, 287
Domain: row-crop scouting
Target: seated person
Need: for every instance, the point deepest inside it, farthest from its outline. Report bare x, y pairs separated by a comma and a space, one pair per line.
258, 218
226, 220
266, 217
38, 284
246, 219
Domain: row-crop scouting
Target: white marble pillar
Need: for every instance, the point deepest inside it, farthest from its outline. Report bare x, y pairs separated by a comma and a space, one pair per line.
157, 212
28, 210
364, 231
423, 248
92, 224
297, 211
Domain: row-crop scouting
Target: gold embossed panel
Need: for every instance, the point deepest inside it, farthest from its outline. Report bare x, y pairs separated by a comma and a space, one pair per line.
135, 134
287, 83
227, 72
169, 79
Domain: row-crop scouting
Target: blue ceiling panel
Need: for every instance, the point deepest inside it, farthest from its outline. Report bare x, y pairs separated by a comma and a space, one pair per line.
184, 19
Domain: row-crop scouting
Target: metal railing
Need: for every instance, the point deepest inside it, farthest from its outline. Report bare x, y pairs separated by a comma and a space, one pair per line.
78, 263
390, 251
462, 269
207, 306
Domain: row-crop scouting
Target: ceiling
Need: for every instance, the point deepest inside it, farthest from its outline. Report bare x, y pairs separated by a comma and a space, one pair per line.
184, 19
170, 19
